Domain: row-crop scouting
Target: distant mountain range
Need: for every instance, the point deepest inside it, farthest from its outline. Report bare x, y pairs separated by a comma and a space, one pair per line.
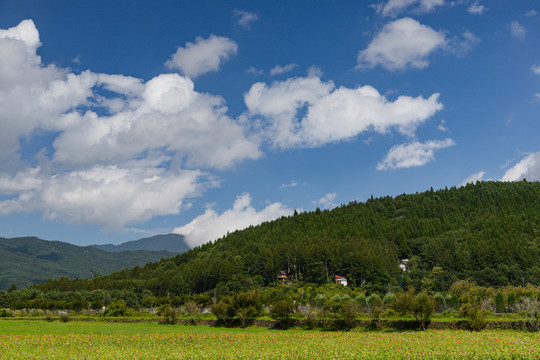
29, 260
169, 242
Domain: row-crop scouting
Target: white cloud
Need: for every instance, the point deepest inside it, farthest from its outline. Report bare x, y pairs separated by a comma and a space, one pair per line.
327, 201
170, 116
536, 69
253, 70
394, 7
245, 18
400, 44
110, 196
528, 168
211, 225
308, 112
476, 8
277, 70
517, 30
479, 176
111, 149
460, 46
531, 13
291, 184
413, 154
202, 56
442, 126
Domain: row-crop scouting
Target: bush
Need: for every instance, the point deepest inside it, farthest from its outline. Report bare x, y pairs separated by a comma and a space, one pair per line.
192, 310
223, 311
283, 310
169, 315
422, 308
531, 311
389, 298
64, 316
5, 313
475, 316
116, 308
247, 306
499, 303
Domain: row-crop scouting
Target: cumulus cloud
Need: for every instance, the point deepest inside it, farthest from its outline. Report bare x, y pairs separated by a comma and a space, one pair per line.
401, 44
277, 70
413, 154
112, 196
395, 7
473, 178
517, 30
202, 56
528, 168
119, 156
476, 8
327, 201
169, 115
308, 112
536, 69
245, 18
211, 225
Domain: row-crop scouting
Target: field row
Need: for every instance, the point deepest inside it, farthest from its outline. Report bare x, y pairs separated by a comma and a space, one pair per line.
267, 344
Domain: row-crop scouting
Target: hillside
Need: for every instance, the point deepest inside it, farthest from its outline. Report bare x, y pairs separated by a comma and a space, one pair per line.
488, 232
173, 243
29, 260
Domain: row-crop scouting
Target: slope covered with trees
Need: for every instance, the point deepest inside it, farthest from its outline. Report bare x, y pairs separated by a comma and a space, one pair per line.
28, 260
488, 232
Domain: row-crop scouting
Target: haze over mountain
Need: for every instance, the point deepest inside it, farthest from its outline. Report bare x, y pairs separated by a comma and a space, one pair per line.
173, 243
30, 260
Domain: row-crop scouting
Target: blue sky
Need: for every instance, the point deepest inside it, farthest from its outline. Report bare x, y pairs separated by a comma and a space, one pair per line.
124, 119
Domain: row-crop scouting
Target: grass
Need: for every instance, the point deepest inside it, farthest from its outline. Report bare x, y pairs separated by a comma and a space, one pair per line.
82, 340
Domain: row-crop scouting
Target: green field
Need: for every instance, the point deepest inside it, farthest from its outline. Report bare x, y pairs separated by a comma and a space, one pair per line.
95, 340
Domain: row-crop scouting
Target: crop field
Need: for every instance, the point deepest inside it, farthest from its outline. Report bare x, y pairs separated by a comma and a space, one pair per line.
77, 340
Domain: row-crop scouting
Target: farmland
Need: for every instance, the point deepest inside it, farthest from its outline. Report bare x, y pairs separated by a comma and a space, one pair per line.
77, 340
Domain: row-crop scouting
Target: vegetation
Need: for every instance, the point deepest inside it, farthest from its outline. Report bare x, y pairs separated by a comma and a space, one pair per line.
55, 340
488, 233
29, 260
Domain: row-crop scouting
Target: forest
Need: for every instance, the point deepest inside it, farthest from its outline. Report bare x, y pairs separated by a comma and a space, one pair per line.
487, 233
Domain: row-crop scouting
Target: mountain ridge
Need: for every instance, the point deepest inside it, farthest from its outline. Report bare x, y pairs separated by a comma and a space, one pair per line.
173, 243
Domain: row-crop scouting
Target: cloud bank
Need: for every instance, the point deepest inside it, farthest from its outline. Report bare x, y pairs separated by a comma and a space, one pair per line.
211, 225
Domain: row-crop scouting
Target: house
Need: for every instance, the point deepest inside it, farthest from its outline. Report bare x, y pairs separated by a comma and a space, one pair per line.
285, 276
341, 280
403, 264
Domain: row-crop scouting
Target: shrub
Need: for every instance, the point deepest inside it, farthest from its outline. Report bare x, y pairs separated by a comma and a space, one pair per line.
531, 311
223, 311
283, 310
5, 313
389, 298
192, 310
499, 303
169, 315
422, 308
512, 302
475, 316
247, 306
64, 316
116, 308
319, 300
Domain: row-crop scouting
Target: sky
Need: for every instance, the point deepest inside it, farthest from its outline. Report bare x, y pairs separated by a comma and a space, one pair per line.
125, 119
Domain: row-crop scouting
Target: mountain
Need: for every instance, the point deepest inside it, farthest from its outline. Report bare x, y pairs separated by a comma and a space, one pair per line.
488, 232
173, 243
29, 260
